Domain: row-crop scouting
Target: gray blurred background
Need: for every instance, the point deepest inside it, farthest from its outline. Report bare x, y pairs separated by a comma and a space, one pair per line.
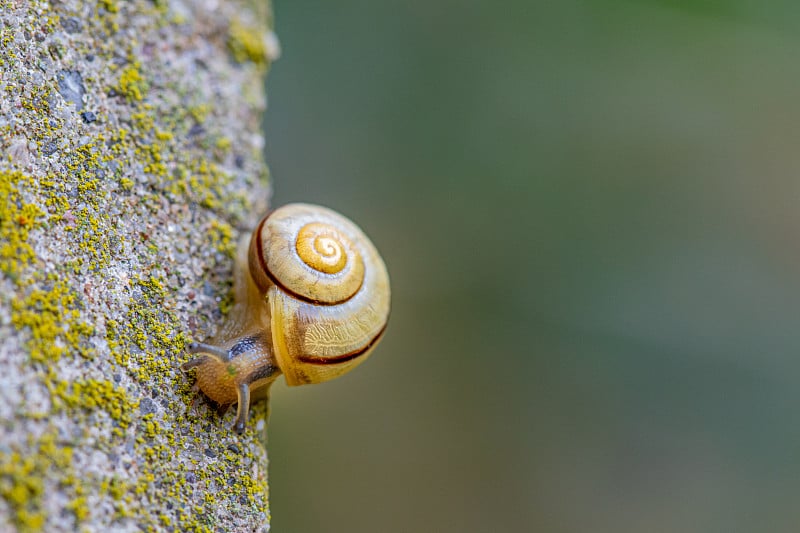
590, 212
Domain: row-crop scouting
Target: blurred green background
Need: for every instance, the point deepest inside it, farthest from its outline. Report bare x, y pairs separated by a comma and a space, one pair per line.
590, 212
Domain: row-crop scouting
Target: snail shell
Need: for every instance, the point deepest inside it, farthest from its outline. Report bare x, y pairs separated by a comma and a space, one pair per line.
312, 304
327, 288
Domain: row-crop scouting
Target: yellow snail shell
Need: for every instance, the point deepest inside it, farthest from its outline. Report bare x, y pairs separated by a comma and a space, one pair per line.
312, 304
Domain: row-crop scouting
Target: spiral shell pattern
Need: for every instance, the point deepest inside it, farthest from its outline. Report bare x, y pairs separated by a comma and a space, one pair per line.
322, 248
310, 252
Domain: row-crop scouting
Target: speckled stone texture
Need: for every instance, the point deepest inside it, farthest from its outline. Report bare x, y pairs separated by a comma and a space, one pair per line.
130, 164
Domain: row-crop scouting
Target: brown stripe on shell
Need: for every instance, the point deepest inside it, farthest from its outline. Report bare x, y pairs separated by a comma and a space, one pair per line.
317, 360
255, 258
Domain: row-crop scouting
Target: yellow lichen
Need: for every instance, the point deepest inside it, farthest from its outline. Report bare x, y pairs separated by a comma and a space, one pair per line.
57, 299
17, 219
22, 478
247, 44
53, 321
132, 84
91, 394
110, 5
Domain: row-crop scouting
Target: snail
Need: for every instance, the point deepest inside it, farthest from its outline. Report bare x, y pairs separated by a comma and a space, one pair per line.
312, 301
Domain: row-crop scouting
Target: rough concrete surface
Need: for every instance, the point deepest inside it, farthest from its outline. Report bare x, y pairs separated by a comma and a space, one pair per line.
130, 163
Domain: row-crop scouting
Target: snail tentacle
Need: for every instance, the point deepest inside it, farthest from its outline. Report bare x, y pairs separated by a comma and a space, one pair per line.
210, 349
242, 408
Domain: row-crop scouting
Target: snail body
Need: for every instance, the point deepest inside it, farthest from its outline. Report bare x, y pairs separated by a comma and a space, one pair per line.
312, 302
